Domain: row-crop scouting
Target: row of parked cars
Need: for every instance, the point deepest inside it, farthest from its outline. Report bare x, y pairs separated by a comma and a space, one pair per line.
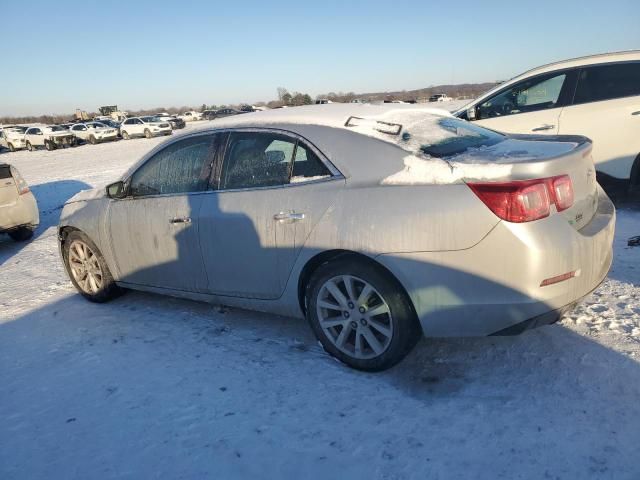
101, 129
51, 137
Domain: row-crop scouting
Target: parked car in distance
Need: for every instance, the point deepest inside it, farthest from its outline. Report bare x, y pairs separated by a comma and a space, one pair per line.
111, 123
175, 122
49, 137
19, 215
223, 112
255, 214
12, 137
596, 96
144, 127
190, 116
94, 132
440, 97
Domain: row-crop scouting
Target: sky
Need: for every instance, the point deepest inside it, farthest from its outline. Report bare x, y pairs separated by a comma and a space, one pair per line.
62, 55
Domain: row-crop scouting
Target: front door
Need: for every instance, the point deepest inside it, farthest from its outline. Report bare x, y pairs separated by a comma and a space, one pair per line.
531, 106
154, 231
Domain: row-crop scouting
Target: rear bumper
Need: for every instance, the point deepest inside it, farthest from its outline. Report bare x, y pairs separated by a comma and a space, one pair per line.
23, 212
494, 286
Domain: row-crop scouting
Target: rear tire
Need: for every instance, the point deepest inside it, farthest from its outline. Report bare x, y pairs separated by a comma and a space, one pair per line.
125, 135
11, 147
49, 146
360, 314
92, 140
88, 270
21, 234
30, 147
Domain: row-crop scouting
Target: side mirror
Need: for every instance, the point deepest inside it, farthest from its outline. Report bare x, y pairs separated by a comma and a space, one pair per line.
471, 113
116, 190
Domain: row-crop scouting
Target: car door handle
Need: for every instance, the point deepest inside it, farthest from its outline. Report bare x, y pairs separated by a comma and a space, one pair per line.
288, 217
174, 221
635, 113
543, 127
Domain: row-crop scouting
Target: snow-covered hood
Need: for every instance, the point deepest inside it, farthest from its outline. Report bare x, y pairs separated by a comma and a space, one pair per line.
86, 195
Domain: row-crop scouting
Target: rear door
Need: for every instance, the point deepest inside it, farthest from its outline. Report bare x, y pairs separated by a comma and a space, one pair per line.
606, 108
154, 231
533, 105
253, 227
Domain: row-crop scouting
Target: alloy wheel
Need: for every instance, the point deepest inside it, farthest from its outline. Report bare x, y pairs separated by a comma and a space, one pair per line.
85, 267
355, 317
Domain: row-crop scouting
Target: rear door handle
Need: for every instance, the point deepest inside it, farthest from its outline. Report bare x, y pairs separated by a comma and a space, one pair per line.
173, 221
288, 217
543, 127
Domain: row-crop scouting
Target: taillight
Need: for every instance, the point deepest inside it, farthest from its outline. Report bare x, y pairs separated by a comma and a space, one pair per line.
21, 185
525, 200
562, 192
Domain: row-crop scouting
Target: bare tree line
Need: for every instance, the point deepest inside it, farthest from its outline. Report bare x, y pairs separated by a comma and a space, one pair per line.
285, 98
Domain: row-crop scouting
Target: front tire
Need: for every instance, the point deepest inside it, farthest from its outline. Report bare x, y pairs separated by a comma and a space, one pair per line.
92, 140
49, 146
360, 314
11, 147
147, 133
125, 135
88, 270
21, 234
30, 147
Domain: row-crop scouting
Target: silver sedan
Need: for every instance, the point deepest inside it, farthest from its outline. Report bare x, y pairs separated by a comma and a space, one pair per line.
379, 224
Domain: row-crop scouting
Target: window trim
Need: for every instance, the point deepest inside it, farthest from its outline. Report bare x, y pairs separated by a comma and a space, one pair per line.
605, 64
565, 98
334, 173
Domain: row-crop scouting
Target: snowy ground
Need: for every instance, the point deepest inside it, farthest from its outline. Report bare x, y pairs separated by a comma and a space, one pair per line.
151, 387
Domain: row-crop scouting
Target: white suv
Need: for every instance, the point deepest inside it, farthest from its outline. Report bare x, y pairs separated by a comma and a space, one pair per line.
12, 137
48, 136
144, 126
18, 207
94, 132
596, 96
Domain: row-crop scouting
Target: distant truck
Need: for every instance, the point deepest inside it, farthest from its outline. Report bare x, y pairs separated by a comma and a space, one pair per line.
113, 113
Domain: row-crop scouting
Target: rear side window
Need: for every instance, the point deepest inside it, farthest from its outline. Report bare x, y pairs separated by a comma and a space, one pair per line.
605, 82
307, 166
182, 167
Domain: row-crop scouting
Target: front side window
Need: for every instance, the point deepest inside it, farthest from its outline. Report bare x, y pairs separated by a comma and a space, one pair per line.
528, 96
182, 167
605, 82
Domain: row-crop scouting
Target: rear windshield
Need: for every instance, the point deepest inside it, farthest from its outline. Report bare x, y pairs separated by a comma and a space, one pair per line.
461, 136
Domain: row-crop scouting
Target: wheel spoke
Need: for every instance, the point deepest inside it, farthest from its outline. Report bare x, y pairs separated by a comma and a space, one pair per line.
348, 285
371, 340
383, 329
342, 337
329, 305
358, 344
92, 283
365, 294
331, 322
336, 293
378, 310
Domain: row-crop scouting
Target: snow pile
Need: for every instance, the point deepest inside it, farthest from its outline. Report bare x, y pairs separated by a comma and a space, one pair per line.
434, 171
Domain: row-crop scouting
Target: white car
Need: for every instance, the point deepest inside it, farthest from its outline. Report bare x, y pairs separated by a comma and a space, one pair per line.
190, 116
94, 132
48, 136
440, 97
144, 127
19, 215
12, 137
596, 96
